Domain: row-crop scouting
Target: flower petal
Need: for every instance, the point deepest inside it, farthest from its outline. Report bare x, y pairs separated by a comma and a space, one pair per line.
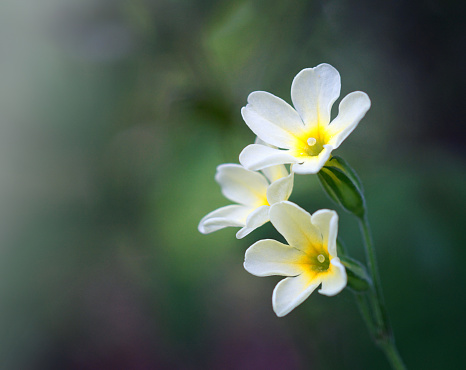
241, 185
312, 165
335, 280
280, 190
233, 215
291, 292
269, 257
273, 173
256, 218
351, 110
313, 92
257, 157
294, 223
327, 221
272, 119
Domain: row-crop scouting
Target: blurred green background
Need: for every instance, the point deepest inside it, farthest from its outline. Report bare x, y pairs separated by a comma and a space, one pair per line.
114, 115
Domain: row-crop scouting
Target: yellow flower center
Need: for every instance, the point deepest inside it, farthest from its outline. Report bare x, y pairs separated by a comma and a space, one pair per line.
321, 262
317, 259
311, 146
311, 141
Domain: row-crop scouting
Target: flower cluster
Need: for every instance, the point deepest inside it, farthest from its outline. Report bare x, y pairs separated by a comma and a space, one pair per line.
302, 137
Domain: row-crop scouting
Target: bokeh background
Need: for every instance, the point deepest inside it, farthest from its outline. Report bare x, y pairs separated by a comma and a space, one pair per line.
113, 117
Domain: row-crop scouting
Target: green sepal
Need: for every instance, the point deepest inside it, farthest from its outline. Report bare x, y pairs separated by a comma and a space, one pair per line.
341, 248
343, 186
358, 278
345, 167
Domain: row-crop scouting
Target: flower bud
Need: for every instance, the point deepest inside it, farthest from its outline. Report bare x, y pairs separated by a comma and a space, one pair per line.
342, 184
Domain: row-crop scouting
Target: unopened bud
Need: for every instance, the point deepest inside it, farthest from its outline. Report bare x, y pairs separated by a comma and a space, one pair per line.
342, 185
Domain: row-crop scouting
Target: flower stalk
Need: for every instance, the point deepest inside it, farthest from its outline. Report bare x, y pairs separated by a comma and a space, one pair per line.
382, 332
342, 185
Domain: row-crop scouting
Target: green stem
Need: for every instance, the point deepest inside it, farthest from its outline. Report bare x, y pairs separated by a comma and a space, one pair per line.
393, 355
364, 309
383, 332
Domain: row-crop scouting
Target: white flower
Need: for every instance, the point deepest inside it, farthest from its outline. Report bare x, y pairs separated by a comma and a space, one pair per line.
253, 193
309, 260
306, 134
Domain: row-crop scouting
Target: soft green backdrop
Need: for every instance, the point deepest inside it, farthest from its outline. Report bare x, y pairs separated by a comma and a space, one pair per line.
113, 117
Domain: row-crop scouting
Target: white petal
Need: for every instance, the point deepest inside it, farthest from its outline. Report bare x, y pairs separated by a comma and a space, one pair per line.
272, 119
255, 219
233, 215
262, 142
327, 222
294, 223
280, 190
241, 185
269, 257
312, 165
273, 173
257, 157
351, 110
291, 292
313, 91
334, 281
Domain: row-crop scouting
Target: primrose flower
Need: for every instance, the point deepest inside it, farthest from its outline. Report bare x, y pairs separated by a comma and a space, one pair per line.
253, 191
309, 260
306, 134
